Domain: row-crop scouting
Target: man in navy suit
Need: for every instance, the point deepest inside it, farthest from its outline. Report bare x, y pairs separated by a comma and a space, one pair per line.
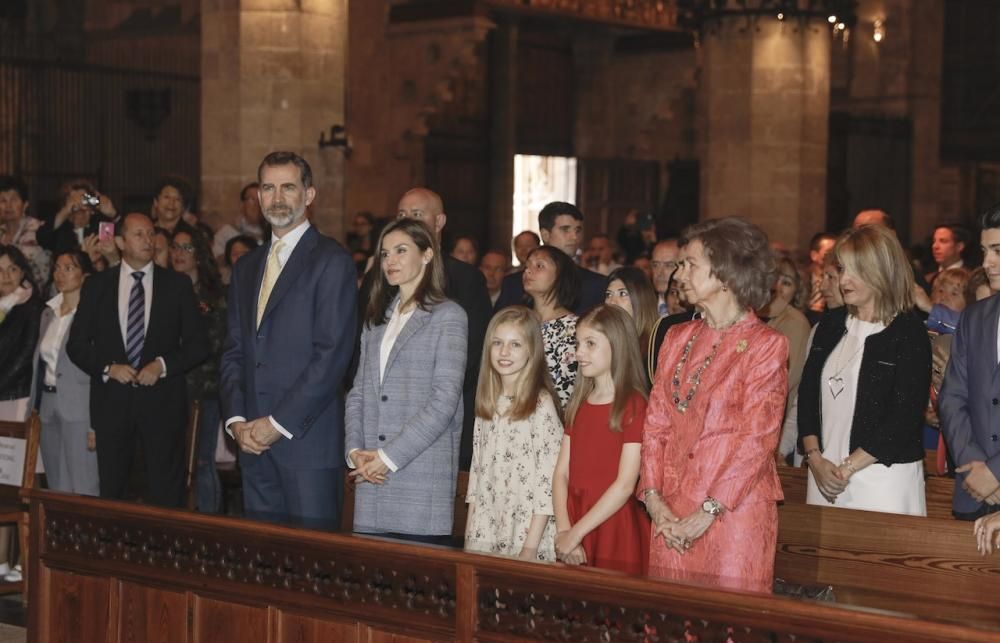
969, 403
292, 309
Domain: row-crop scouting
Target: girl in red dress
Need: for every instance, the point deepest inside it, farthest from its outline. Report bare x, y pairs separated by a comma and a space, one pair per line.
598, 520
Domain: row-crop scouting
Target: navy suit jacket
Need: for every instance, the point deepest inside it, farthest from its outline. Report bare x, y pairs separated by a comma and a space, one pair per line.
969, 403
292, 367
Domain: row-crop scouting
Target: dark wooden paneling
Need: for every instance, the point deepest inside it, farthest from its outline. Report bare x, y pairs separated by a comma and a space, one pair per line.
381, 636
545, 97
77, 608
868, 166
926, 568
217, 621
296, 628
608, 188
152, 615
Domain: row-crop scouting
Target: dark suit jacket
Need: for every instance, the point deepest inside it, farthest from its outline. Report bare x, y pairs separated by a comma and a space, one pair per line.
467, 287
969, 403
174, 333
63, 238
592, 286
292, 367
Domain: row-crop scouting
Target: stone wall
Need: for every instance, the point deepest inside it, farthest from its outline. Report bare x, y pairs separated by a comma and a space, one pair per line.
272, 79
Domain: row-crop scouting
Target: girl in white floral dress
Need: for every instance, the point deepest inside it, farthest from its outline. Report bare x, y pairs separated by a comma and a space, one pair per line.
516, 443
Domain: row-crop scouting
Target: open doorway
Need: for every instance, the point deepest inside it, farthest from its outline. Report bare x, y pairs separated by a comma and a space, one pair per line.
539, 180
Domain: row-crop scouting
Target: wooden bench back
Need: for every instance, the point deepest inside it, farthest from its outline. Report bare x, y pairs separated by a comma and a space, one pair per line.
29, 432
912, 564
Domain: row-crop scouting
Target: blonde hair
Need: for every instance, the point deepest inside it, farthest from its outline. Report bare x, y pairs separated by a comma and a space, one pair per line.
626, 363
534, 379
872, 253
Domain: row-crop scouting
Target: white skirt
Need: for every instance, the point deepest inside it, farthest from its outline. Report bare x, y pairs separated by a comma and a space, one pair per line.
898, 489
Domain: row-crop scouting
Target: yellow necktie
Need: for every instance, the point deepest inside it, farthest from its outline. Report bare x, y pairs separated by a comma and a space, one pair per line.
271, 273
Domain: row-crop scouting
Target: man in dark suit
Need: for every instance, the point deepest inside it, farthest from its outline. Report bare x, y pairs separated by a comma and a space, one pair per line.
969, 403
136, 333
466, 286
561, 225
291, 319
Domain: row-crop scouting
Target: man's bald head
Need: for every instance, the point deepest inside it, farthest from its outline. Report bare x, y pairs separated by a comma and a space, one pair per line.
424, 205
873, 217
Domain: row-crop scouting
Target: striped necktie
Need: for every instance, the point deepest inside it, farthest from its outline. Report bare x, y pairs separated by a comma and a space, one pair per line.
271, 272
136, 327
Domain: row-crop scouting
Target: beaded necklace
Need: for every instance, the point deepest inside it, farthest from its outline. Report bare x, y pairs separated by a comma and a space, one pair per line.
695, 378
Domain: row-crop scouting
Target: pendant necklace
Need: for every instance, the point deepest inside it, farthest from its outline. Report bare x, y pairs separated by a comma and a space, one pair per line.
835, 382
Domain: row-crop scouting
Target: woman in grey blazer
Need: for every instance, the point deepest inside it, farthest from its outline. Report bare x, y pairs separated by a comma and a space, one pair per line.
63, 390
404, 413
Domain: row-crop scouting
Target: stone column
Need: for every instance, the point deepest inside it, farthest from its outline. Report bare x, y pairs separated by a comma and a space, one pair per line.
272, 79
766, 91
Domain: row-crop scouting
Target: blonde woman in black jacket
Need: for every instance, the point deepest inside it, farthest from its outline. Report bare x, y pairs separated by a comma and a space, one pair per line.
865, 384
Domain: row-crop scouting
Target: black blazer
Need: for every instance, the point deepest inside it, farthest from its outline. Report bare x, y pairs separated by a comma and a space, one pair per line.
175, 333
18, 339
63, 238
592, 286
893, 387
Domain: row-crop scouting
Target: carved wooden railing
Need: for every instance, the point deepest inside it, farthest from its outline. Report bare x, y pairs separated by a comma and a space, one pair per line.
106, 571
642, 14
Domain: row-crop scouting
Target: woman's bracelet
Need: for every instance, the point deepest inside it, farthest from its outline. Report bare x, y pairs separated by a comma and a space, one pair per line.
810, 452
650, 492
850, 465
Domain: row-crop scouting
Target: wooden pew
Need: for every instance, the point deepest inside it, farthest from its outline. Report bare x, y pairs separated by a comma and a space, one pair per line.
113, 572
938, 491
924, 566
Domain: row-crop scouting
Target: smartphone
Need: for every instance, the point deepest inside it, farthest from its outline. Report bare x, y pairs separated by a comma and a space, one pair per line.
105, 231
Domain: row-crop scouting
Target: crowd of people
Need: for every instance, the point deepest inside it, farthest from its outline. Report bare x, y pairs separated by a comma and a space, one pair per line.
623, 405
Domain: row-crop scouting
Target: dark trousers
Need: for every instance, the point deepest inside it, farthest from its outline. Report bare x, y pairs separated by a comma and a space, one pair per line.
160, 430
311, 498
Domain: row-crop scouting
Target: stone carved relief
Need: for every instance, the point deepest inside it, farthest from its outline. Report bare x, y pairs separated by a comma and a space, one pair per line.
429, 592
540, 616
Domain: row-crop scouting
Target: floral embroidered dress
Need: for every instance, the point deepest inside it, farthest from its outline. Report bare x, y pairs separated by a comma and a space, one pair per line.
511, 479
559, 339
722, 446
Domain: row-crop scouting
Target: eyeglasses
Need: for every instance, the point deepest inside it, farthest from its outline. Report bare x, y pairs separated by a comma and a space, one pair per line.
669, 265
186, 247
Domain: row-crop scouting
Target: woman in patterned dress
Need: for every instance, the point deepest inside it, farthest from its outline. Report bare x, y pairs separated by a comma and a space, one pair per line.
552, 284
515, 444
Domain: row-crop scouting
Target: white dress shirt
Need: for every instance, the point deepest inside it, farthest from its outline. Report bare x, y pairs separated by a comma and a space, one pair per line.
290, 240
125, 283
52, 341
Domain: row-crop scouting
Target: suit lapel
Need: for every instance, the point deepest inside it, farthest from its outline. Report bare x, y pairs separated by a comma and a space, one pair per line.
416, 322
157, 308
115, 275
297, 262
990, 332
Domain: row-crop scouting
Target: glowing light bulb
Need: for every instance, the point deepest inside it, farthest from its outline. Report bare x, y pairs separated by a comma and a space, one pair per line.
878, 30
781, 16
832, 19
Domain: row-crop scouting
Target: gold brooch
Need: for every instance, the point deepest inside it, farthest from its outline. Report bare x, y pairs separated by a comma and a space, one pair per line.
741, 346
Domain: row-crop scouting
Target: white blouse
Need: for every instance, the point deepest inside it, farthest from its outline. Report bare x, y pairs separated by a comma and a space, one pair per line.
52, 340
393, 328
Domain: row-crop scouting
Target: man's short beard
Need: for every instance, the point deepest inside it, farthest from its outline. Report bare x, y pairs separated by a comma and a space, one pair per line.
283, 217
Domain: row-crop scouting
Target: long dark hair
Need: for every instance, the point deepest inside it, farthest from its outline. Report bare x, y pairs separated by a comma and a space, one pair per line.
18, 259
429, 291
566, 288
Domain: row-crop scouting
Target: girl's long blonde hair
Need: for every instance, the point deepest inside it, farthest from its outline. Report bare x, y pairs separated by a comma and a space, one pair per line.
626, 364
534, 378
